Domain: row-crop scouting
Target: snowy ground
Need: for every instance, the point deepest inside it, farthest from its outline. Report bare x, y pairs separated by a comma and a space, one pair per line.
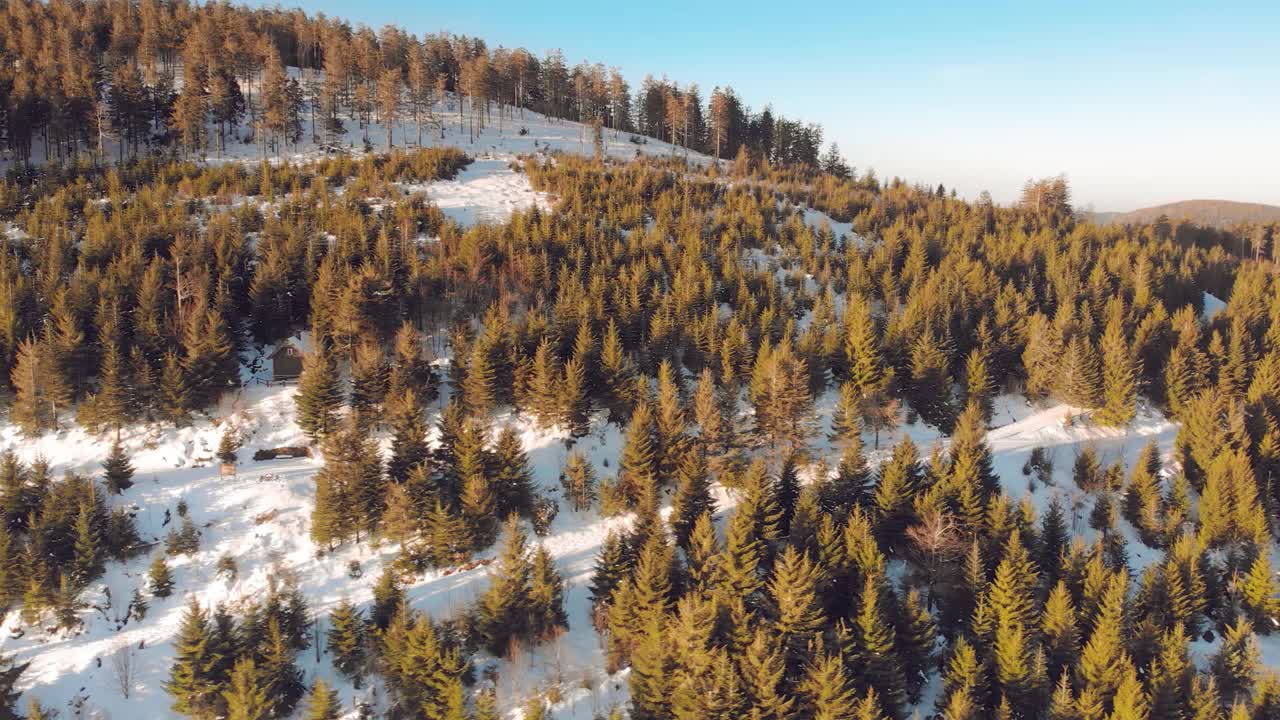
261, 518
487, 190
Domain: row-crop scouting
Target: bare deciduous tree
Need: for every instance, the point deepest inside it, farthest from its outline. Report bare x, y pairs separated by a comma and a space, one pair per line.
124, 669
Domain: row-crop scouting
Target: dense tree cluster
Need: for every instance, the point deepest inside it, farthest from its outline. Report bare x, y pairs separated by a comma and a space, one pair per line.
77, 77
704, 318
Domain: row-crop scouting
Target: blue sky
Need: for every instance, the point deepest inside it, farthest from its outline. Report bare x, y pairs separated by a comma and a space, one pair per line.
1137, 102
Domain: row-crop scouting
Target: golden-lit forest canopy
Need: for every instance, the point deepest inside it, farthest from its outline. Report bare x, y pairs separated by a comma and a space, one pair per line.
691, 307
157, 74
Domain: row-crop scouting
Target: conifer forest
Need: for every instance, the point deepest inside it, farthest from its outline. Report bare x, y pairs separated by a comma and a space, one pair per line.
348, 373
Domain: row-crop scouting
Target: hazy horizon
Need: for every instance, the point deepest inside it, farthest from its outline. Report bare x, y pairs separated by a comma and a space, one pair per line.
1138, 104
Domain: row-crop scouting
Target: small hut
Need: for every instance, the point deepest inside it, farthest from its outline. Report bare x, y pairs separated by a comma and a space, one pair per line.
286, 359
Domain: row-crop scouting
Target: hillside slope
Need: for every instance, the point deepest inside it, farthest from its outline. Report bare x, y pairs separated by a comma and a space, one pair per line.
1211, 213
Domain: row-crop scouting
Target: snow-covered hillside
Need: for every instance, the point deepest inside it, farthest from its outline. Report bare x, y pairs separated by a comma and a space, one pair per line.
261, 518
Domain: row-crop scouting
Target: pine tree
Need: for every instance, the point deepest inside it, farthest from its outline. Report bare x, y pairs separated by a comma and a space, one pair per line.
1235, 665
874, 641
117, 471
347, 640
39, 390
88, 560
322, 703
503, 609
825, 693
763, 672
245, 696
546, 596
319, 395
915, 638
9, 674
1260, 596
159, 577
281, 679
191, 682
579, 482
409, 447
1079, 379
1120, 373
228, 446
793, 606
895, 491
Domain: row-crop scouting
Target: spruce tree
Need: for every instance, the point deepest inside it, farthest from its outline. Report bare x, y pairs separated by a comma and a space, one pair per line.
479, 508
503, 610
512, 477
579, 482
39, 391
388, 597
319, 395
793, 606
915, 640
281, 679
245, 696
693, 495
160, 577
409, 447
1079, 380
1260, 596
191, 682
1235, 665
446, 536
546, 596
639, 463
763, 674
10, 671
228, 445
175, 393
825, 693
873, 649
322, 703
898, 482
1120, 373
346, 640
117, 471
89, 552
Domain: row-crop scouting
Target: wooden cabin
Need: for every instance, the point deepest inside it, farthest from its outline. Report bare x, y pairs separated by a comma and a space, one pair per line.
286, 359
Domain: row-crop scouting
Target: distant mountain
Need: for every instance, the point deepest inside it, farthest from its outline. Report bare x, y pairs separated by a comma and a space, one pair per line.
1212, 213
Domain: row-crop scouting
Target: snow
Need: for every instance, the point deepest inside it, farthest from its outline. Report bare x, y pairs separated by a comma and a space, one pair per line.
1212, 306
487, 190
